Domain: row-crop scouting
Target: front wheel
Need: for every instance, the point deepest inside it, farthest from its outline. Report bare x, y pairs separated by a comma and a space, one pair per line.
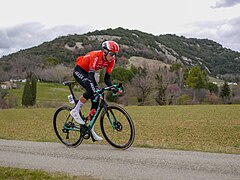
66, 129
117, 127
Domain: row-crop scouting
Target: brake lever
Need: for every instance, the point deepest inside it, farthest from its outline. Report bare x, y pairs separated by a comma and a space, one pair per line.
119, 88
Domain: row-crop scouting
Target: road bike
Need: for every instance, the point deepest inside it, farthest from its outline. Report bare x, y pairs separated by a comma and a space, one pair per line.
116, 124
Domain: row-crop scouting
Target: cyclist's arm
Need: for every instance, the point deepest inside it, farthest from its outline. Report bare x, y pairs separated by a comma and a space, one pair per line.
109, 69
107, 79
91, 73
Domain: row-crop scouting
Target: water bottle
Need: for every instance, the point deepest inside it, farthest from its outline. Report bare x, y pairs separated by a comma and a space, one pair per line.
70, 99
91, 114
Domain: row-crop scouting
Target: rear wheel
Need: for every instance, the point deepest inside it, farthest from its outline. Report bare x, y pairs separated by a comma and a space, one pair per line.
117, 127
66, 129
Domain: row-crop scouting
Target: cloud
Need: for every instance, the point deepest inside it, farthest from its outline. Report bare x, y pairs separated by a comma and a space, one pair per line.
225, 32
22, 36
27, 35
226, 3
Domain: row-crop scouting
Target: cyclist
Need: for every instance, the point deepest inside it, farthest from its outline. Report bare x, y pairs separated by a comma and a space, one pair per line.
84, 73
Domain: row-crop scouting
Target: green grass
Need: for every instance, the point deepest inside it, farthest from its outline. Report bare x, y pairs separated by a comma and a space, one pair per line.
198, 128
48, 94
209, 128
18, 174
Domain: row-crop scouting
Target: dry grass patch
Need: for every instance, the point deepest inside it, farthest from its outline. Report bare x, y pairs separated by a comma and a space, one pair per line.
212, 128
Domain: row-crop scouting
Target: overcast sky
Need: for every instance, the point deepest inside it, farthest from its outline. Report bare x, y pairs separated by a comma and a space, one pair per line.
27, 23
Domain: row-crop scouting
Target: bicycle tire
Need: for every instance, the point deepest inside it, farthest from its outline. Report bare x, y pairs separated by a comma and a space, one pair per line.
63, 123
123, 133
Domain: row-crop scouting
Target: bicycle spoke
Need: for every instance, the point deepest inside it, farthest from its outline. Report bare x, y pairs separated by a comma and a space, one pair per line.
65, 128
121, 135
116, 124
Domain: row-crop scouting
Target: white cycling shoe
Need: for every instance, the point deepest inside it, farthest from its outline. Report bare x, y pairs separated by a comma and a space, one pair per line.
95, 136
76, 116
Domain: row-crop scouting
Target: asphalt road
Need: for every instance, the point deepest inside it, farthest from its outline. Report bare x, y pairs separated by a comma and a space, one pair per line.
106, 162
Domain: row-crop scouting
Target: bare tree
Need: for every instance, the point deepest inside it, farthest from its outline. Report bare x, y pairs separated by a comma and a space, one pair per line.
157, 81
57, 73
21, 65
143, 83
167, 85
173, 92
143, 88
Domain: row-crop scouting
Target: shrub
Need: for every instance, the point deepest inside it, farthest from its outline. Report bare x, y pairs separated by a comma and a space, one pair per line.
30, 91
184, 99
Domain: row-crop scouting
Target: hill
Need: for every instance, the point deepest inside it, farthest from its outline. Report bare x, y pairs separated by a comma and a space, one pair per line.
169, 49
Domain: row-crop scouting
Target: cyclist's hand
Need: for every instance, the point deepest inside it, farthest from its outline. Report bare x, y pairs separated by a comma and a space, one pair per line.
117, 91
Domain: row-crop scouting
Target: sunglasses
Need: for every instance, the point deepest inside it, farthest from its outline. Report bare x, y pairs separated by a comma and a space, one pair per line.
111, 53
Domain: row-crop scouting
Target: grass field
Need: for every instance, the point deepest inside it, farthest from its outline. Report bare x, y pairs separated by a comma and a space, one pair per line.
209, 128
48, 94
25, 174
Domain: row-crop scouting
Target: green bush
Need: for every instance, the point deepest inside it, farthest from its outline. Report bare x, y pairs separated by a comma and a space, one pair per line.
184, 99
110, 97
30, 91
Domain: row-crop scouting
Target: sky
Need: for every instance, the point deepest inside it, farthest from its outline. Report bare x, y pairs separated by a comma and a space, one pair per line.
27, 23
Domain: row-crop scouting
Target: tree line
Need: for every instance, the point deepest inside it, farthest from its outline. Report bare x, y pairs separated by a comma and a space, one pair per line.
167, 86
149, 86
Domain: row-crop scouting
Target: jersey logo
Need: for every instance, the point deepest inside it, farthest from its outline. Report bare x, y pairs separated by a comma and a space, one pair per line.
95, 62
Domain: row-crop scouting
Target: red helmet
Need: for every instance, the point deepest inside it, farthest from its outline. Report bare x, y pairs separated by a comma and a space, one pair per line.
110, 46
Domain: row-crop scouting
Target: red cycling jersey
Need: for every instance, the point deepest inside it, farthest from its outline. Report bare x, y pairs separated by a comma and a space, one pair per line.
93, 61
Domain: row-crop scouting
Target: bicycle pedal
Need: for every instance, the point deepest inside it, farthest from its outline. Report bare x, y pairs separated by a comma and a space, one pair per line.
85, 131
86, 136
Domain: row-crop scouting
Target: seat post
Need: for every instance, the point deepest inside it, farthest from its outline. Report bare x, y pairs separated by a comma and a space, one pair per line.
70, 88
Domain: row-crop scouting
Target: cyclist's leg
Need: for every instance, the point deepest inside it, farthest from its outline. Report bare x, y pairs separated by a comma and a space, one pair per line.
94, 104
81, 77
94, 134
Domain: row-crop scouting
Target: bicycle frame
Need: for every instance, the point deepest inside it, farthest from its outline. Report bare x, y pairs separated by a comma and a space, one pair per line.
103, 105
113, 120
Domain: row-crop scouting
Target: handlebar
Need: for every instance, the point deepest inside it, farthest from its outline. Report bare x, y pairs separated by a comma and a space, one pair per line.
114, 88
